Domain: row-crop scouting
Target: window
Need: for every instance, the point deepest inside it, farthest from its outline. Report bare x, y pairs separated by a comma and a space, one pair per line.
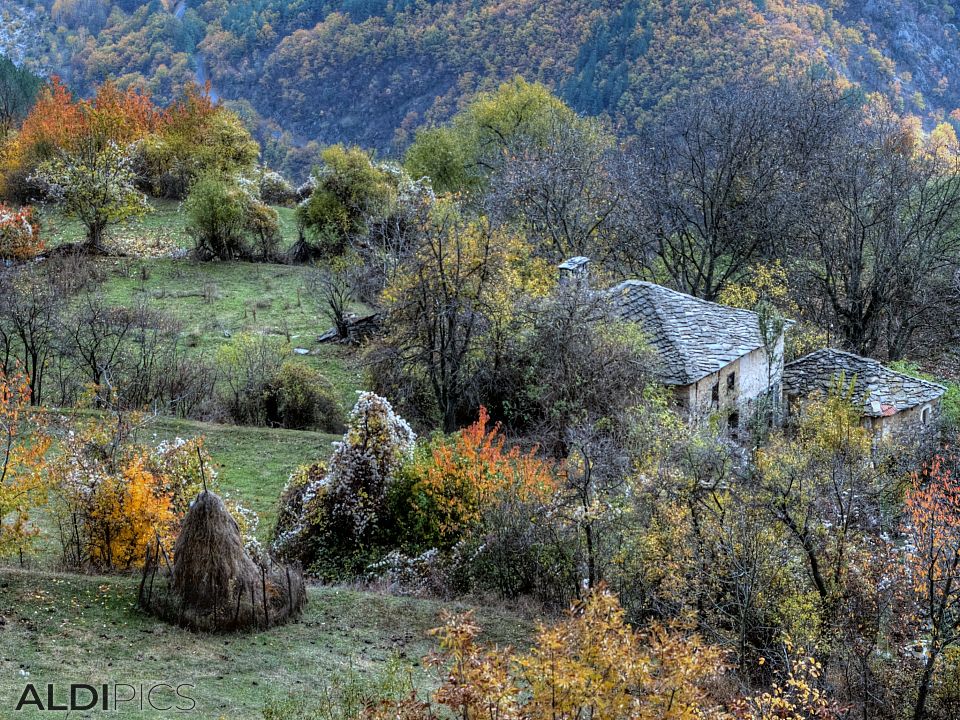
925, 415
731, 381
715, 393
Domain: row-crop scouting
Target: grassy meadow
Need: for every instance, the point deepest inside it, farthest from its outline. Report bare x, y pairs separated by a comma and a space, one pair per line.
62, 628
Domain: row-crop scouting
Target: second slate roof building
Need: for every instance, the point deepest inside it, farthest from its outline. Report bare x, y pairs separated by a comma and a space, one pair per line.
893, 404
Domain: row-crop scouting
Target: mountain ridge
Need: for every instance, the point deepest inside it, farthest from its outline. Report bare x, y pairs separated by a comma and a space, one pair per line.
371, 71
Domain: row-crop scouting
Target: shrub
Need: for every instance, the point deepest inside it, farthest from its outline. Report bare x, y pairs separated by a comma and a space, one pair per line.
216, 218
19, 233
465, 475
332, 522
124, 514
248, 368
591, 663
275, 190
227, 220
349, 192
262, 224
301, 397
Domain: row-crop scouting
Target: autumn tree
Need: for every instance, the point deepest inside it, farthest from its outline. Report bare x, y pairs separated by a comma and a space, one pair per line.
518, 117
195, 137
96, 185
22, 464
590, 663
74, 132
449, 312
824, 488
463, 476
932, 525
113, 496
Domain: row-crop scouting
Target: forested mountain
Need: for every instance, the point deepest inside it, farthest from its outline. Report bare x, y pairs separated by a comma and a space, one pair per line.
371, 71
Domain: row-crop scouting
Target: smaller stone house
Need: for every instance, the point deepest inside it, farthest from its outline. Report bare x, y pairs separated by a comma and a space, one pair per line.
894, 405
713, 356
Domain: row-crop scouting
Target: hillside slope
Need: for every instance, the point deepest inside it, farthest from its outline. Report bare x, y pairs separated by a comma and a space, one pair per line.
371, 71
61, 628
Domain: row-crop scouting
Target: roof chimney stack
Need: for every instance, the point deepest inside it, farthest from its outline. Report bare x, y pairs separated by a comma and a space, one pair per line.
575, 272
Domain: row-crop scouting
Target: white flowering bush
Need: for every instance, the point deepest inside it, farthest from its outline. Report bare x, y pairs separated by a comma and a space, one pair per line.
275, 190
96, 185
330, 513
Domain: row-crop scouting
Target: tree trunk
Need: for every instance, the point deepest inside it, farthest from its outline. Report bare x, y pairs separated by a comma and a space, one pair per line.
919, 710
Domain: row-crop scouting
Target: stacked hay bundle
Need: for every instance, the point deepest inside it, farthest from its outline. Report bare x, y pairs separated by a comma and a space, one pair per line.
213, 584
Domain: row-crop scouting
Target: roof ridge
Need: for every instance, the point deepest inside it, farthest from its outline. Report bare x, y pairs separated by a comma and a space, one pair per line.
868, 360
688, 295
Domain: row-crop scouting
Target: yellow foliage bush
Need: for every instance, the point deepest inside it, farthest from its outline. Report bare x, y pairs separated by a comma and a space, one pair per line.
127, 512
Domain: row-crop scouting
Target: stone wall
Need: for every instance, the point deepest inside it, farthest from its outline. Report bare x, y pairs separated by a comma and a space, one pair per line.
730, 397
906, 424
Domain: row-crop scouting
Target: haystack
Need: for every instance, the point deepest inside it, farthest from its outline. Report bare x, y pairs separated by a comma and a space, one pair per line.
213, 584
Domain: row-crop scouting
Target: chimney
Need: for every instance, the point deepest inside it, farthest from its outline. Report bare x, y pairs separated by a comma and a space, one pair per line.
575, 272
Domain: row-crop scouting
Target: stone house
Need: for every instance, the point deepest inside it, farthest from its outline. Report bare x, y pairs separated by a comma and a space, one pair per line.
894, 405
713, 356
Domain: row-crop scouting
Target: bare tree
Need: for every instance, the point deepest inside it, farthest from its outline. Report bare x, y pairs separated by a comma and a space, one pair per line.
29, 312
332, 286
882, 232
714, 181
94, 335
563, 194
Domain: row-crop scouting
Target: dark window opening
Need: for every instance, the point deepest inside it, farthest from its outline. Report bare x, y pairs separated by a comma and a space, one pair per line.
733, 421
715, 393
731, 381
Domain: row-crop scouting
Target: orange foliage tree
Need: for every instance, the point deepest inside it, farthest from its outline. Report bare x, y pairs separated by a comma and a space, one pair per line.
22, 464
115, 496
933, 562
19, 233
58, 122
467, 473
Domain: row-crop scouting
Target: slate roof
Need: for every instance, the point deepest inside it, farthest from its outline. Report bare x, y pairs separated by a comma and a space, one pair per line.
693, 337
882, 391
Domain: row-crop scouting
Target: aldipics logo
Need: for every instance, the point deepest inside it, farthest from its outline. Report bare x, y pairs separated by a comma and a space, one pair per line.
109, 697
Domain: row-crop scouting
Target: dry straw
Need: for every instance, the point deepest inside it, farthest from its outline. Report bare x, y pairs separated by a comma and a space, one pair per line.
213, 584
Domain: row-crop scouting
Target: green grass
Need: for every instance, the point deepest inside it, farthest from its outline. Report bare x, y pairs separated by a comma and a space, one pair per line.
215, 302
253, 463
63, 628
164, 220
